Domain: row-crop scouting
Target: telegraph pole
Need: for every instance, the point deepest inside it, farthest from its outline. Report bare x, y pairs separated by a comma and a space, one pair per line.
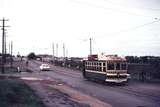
53, 50
63, 50
67, 53
5, 49
57, 50
90, 46
11, 53
3, 42
9, 49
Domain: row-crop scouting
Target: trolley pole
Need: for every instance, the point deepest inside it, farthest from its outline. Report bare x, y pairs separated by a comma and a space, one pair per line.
3, 43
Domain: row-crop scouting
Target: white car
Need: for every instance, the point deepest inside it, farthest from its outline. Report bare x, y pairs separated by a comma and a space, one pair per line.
44, 67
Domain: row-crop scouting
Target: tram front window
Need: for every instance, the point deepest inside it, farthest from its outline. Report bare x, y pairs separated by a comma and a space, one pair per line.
110, 66
118, 66
123, 66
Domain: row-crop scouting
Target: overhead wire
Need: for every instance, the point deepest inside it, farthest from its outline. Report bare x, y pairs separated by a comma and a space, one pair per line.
111, 9
126, 30
111, 2
121, 11
130, 29
122, 31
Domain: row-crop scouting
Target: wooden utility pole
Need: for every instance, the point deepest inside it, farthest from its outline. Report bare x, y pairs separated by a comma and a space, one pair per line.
5, 48
9, 49
11, 53
3, 43
90, 46
66, 52
57, 50
53, 50
63, 50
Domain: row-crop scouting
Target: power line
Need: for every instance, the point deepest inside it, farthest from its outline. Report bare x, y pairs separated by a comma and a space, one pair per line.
111, 9
127, 30
131, 29
111, 2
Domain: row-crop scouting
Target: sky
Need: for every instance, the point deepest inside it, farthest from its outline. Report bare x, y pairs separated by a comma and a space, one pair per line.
123, 27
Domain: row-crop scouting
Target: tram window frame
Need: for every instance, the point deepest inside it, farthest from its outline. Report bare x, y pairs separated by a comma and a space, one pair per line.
104, 69
122, 66
118, 66
100, 69
104, 64
110, 66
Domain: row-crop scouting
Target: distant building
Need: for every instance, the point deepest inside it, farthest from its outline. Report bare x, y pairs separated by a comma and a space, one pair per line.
45, 57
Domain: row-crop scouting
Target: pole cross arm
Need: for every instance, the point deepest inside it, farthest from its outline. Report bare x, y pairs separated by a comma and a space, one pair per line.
4, 19
5, 26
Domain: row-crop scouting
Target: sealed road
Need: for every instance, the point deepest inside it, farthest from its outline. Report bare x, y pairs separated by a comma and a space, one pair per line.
132, 95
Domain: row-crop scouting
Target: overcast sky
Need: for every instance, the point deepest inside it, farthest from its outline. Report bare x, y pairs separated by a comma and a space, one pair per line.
123, 27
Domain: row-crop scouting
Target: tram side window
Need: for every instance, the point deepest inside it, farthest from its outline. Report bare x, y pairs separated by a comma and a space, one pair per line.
110, 66
104, 69
96, 68
123, 66
104, 64
100, 69
118, 66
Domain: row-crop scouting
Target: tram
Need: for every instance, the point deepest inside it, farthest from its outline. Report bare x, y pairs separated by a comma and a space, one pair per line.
109, 68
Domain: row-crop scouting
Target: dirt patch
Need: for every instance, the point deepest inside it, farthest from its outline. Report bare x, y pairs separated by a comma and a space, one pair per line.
57, 94
53, 97
80, 97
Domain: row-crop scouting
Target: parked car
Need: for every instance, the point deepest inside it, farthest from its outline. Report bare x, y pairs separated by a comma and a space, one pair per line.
44, 67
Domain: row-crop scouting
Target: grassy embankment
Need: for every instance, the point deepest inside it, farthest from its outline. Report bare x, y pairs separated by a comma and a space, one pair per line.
15, 93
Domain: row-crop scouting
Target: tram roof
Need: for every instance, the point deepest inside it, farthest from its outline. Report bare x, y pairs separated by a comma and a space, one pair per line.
103, 57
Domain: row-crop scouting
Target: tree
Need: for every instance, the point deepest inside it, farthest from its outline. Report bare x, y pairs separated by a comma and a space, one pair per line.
31, 56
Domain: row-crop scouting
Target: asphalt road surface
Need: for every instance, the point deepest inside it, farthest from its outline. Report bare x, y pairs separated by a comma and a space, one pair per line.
131, 95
